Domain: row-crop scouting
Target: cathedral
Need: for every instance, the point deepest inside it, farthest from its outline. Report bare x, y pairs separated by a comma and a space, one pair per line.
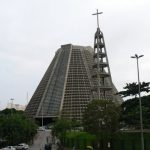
76, 76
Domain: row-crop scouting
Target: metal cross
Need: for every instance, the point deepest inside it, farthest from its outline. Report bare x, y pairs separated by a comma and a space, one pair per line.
97, 13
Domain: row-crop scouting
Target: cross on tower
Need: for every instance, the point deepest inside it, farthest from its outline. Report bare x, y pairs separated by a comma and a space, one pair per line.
97, 13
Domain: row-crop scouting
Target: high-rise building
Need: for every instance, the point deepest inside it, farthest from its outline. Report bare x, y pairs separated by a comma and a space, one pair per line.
67, 86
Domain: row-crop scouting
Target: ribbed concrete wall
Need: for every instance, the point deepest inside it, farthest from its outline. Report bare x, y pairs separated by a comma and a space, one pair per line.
78, 84
65, 89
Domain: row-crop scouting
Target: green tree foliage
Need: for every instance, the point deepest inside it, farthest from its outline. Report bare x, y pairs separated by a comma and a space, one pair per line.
132, 89
62, 125
101, 117
130, 115
15, 127
79, 139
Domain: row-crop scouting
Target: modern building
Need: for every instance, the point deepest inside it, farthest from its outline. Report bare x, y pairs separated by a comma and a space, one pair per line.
76, 76
67, 86
16, 106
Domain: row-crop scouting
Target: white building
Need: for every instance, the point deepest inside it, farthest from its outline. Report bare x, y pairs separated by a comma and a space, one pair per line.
16, 106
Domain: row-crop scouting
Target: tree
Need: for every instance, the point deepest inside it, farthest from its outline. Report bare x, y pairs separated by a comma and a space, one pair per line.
101, 117
15, 127
63, 125
132, 89
130, 115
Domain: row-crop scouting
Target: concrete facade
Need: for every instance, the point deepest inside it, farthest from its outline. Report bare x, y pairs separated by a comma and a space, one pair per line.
67, 86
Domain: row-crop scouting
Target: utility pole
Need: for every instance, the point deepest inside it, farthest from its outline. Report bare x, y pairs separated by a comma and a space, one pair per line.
42, 114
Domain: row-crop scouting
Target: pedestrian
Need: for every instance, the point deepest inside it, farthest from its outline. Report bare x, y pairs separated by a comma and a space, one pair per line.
50, 146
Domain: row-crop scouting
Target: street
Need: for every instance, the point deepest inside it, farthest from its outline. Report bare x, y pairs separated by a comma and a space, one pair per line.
42, 138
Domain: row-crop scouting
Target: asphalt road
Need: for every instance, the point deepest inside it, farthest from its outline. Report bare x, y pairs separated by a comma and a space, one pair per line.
42, 138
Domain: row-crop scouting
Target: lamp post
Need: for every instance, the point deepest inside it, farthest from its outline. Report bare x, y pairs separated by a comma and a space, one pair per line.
42, 114
139, 90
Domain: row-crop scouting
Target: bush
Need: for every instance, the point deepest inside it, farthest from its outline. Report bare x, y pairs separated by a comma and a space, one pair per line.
79, 139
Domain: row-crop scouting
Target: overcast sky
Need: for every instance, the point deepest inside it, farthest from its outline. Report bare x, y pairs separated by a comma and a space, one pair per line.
32, 30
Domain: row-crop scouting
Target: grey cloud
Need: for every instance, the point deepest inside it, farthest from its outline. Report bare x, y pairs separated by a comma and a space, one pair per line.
32, 30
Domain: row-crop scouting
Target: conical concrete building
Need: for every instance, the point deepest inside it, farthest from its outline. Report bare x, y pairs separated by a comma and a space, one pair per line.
67, 86
76, 75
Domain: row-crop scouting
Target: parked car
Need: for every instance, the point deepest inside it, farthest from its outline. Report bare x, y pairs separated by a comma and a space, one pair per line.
41, 129
8, 148
22, 146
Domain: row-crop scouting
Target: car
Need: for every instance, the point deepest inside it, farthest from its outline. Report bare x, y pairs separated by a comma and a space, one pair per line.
41, 129
22, 146
9, 148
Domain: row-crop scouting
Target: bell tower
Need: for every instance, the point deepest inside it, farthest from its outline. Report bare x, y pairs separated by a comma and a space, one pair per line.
102, 88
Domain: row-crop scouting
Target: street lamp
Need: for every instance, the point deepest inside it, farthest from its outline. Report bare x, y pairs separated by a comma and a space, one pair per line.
42, 114
139, 90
